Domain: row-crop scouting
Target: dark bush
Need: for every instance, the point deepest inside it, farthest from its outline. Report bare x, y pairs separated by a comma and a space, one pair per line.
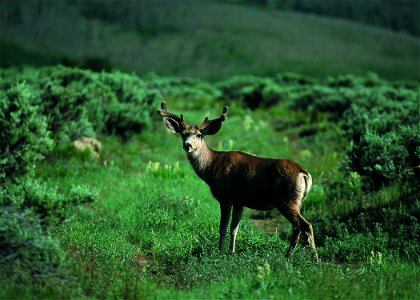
351, 81
322, 99
293, 79
252, 91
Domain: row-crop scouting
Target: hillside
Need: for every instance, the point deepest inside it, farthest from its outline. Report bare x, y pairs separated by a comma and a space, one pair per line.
207, 40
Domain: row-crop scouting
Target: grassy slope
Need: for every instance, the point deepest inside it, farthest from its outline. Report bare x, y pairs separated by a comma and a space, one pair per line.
214, 40
152, 233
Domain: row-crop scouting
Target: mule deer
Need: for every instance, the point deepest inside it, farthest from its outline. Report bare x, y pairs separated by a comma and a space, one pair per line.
237, 179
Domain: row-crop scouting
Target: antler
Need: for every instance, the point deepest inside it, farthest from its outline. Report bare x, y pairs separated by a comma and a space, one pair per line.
164, 113
220, 119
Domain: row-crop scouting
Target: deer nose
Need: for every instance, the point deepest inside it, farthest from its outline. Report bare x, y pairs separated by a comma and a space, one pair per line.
187, 146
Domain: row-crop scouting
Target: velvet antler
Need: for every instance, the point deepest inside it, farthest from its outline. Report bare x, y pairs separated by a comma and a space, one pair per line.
213, 126
166, 114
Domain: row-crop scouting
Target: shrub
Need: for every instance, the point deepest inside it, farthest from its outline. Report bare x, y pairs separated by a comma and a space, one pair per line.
371, 111
183, 88
252, 91
293, 79
46, 201
28, 253
321, 99
381, 157
132, 112
67, 108
351, 81
383, 110
388, 157
80, 103
24, 137
381, 149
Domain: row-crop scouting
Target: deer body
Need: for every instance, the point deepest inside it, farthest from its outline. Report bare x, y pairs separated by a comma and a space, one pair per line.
239, 180
253, 182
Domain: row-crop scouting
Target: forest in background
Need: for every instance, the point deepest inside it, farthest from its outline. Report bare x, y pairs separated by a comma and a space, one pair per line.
209, 40
400, 16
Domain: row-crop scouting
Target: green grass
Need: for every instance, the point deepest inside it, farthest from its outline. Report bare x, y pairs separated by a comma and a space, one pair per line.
207, 40
152, 231
138, 223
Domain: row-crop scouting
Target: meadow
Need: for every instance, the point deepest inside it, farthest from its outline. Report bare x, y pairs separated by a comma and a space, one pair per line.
133, 220
138, 223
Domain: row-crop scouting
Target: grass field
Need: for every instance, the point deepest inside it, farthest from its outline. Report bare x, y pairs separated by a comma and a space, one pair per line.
135, 221
152, 231
208, 40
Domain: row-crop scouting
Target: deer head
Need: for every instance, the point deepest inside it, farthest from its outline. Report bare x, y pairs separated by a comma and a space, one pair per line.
192, 136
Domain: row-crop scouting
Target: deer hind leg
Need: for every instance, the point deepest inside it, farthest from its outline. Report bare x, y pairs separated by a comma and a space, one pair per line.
234, 225
307, 229
293, 241
300, 225
293, 216
225, 210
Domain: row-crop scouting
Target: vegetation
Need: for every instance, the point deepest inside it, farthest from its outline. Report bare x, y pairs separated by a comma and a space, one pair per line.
204, 39
396, 15
127, 225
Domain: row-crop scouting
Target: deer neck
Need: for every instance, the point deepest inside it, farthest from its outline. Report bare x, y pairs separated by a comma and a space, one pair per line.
201, 159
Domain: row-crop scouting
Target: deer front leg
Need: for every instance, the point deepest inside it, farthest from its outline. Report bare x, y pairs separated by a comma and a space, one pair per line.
225, 210
234, 225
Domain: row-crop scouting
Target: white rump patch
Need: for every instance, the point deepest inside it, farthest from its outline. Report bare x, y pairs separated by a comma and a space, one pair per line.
302, 187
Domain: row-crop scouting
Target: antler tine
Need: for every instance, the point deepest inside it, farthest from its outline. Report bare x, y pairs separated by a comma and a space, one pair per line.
164, 113
224, 113
207, 122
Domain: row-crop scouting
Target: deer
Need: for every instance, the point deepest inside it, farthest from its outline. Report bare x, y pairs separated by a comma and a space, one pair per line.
239, 180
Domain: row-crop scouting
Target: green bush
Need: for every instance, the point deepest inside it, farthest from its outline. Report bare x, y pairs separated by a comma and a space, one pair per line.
381, 149
28, 254
183, 88
50, 204
382, 110
351, 81
288, 78
80, 103
371, 112
24, 137
252, 91
132, 112
388, 157
323, 99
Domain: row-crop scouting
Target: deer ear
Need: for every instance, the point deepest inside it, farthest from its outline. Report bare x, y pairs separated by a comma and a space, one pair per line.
213, 128
172, 125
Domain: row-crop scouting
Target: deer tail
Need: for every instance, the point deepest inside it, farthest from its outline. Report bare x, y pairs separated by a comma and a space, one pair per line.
308, 184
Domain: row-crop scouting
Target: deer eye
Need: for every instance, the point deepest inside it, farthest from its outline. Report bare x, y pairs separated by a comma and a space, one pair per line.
199, 135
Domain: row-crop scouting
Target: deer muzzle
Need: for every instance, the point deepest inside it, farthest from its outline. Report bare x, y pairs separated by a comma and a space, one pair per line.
188, 147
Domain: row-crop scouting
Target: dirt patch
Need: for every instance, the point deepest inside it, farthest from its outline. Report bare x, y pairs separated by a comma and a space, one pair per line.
269, 225
272, 224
